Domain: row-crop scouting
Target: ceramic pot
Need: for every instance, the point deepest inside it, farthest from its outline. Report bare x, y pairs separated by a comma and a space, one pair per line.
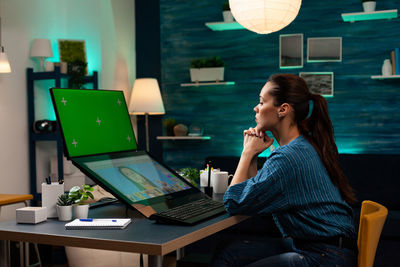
227, 15
64, 213
81, 211
386, 68
369, 6
207, 74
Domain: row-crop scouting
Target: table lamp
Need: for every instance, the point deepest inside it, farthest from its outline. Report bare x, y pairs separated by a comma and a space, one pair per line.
146, 100
41, 48
4, 64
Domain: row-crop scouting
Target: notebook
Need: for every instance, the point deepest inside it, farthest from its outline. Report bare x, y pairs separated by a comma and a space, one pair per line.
77, 224
99, 140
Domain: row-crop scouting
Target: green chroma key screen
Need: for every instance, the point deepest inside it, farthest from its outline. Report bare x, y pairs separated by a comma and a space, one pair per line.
93, 121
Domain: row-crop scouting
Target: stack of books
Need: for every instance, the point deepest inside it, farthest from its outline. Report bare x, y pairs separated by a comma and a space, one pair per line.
395, 57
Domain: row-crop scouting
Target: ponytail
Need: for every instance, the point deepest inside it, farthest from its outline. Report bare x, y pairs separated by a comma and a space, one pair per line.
318, 130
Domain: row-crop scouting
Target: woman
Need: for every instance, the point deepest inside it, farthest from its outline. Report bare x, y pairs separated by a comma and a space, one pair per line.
301, 184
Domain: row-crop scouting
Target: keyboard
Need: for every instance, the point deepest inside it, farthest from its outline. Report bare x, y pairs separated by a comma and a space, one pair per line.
190, 213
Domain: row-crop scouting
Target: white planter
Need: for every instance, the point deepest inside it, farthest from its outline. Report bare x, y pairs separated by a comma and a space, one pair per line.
369, 6
81, 211
227, 15
207, 74
64, 213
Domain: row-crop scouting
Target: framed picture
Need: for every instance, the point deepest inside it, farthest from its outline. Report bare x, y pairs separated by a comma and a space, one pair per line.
72, 50
319, 82
326, 49
290, 51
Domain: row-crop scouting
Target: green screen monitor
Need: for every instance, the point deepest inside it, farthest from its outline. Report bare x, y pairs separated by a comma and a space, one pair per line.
93, 121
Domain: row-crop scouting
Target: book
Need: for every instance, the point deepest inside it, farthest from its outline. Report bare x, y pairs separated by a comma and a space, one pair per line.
79, 224
393, 63
396, 59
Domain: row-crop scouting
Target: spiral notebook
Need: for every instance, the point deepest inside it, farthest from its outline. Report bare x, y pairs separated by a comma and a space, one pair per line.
97, 224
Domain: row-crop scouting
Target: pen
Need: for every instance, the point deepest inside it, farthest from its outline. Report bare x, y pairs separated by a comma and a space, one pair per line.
86, 220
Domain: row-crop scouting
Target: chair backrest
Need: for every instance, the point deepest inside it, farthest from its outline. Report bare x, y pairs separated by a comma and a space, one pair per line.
372, 218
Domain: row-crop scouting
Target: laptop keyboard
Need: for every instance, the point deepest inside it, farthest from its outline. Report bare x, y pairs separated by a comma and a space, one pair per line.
191, 210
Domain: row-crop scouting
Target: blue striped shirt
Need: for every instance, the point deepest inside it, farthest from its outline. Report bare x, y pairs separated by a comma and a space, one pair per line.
295, 187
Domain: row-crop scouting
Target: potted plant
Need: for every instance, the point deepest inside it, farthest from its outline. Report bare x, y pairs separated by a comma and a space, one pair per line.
192, 175
369, 5
226, 12
64, 207
79, 196
203, 70
76, 71
169, 125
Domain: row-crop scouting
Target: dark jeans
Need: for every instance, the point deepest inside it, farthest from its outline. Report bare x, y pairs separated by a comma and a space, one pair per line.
257, 252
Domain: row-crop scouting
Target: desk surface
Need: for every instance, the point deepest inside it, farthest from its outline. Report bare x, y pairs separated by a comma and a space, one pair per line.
141, 235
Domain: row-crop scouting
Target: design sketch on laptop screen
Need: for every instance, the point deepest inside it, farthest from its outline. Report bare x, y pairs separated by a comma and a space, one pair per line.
137, 178
94, 121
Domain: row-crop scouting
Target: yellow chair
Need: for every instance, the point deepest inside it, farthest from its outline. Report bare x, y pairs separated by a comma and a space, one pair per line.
372, 219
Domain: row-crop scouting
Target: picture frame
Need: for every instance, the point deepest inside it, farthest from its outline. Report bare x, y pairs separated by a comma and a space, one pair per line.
291, 51
72, 50
324, 49
319, 82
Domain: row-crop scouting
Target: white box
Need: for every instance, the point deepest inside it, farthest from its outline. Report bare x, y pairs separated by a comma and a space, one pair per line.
31, 215
50, 194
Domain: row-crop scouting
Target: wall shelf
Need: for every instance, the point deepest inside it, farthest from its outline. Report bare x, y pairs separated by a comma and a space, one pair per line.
359, 16
224, 26
207, 83
385, 77
183, 137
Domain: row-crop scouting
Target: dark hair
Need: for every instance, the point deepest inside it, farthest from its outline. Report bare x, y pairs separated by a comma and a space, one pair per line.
317, 128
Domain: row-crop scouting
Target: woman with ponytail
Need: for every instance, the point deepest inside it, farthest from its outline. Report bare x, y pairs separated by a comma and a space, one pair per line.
301, 184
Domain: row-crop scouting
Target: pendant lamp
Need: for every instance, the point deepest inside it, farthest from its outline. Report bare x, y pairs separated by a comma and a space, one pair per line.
264, 16
4, 64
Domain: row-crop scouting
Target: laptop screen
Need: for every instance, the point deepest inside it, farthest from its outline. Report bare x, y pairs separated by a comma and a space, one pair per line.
137, 179
93, 121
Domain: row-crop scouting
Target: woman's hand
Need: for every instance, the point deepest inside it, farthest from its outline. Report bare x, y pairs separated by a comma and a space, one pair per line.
255, 142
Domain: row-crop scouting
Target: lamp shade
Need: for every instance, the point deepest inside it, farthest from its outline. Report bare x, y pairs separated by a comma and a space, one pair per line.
41, 48
4, 64
146, 98
264, 16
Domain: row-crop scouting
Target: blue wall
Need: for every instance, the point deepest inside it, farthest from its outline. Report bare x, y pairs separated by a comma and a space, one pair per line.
365, 112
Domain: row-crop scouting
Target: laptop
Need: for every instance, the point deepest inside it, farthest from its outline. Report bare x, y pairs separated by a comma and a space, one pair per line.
99, 140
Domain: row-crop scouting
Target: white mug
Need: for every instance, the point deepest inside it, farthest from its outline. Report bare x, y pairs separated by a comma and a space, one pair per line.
219, 181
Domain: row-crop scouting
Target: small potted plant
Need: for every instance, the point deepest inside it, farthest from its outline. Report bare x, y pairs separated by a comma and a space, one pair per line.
369, 5
226, 12
64, 207
169, 125
192, 175
80, 196
203, 70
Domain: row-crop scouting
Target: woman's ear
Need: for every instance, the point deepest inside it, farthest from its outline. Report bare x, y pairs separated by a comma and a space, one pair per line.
284, 109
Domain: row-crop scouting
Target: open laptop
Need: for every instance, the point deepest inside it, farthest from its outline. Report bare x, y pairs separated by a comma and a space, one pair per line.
99, 140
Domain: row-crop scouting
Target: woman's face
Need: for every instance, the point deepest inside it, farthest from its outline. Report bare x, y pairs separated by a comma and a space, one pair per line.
266, 111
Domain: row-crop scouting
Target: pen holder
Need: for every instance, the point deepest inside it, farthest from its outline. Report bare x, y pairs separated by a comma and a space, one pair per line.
208, 190
50, 194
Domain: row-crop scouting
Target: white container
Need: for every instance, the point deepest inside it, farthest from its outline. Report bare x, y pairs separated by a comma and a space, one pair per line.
50, 194
64, 213
81, 211
220, 182
204, 177
227, 15
49, 66
369, 6
386, 68
207, 74
31, 215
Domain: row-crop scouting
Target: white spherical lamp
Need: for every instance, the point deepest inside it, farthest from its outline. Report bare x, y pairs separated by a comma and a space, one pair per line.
264, 16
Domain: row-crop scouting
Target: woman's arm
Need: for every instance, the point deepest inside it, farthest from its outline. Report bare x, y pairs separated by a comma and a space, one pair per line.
253, 145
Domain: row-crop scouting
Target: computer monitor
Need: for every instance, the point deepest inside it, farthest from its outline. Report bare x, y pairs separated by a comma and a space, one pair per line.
93, 121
